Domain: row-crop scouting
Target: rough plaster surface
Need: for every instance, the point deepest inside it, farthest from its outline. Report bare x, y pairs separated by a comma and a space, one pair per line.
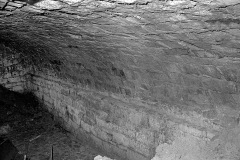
142, 79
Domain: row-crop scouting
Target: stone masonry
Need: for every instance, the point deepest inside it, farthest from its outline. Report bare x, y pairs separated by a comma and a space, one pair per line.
12, 72
143, 79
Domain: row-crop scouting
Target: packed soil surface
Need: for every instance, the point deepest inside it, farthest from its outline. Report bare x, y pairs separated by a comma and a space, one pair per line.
35, 133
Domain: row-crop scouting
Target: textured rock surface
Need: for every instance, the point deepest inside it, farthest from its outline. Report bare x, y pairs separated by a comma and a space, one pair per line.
142, 77
12, 72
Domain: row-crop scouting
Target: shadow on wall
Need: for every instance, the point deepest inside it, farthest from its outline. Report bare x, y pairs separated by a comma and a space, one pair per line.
93, 65
32, 53
25, 100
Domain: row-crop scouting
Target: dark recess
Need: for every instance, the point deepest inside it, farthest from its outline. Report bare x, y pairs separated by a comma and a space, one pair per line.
23, 103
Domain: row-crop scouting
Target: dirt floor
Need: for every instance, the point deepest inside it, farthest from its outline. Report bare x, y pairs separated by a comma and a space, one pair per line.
35, 133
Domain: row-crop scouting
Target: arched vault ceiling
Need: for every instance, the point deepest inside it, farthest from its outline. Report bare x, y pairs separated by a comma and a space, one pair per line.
105, 33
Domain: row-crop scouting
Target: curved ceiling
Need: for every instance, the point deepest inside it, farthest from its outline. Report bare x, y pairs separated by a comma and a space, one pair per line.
119, 41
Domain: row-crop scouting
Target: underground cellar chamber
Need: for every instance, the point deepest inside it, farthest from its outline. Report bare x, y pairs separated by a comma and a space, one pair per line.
125, 79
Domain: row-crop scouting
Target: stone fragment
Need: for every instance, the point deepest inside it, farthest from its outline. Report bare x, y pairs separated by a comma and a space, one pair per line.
101, 158
49, 5
2, 5
3, 1
20, 2
18, 5
72, 2
173, 3
107, 4
10, 8
32, 9
228, 2
5, 13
